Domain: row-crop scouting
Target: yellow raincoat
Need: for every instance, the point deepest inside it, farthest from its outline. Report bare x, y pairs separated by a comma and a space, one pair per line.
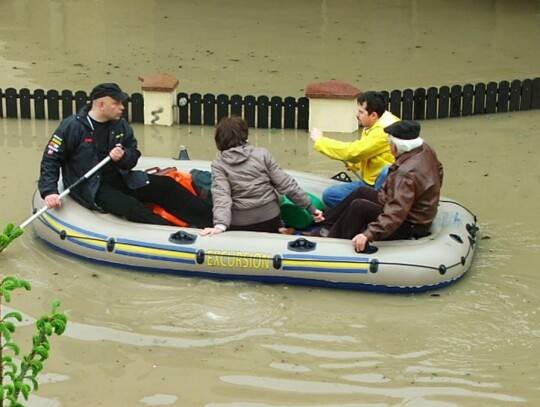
367, 155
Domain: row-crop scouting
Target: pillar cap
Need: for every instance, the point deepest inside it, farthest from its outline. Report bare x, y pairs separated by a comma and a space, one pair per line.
332, 90
158, 82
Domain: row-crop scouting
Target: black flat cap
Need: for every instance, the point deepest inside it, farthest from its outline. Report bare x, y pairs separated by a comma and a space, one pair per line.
108, 89
404, 129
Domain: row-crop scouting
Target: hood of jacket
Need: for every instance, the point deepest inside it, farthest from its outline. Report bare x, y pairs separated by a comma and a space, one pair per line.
237, 155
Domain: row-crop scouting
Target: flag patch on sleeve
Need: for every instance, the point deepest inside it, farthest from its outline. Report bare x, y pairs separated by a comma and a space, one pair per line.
54, 144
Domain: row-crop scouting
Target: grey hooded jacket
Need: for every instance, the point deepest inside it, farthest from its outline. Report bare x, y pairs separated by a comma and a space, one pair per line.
244, 184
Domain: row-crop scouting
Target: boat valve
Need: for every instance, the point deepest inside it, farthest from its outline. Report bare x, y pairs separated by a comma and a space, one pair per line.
111, 243
199, 256
277, 261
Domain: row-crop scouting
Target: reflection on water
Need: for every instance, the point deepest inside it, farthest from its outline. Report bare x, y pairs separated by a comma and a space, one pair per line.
159, 400
402, 396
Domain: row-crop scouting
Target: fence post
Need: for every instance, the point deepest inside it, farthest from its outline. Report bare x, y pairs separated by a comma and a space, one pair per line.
395, 102
182, 109
303, 113
11, 103
263, 106
24, 99
209, 109
39, 104
275, 112
67, 103
195, 109
250, 104
81, 99
419, 112
468, 93
503, 96
137, 108
289, 120
535, 99
515, 95
431, 103
53, 110
491, 97
455, 101
333, 106
444, 98
236, 105
479, 98
159, 92
222, 106
407, 104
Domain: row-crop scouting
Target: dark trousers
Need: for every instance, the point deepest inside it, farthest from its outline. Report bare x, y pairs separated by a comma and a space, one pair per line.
120, 200
271, 225
352, 216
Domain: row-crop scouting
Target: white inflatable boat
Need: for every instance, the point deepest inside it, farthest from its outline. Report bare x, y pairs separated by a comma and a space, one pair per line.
391, 266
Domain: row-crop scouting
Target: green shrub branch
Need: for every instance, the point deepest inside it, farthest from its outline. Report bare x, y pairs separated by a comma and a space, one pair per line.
20, 378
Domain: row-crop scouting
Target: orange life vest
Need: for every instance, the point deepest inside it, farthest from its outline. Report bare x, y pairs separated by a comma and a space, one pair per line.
184, 179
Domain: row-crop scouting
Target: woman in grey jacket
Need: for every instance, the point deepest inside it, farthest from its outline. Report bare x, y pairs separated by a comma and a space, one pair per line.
244, 184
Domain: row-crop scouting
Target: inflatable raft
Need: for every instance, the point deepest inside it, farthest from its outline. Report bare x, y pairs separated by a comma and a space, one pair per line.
401, 266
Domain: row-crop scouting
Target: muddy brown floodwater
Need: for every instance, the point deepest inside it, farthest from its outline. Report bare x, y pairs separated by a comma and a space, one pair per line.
140, 339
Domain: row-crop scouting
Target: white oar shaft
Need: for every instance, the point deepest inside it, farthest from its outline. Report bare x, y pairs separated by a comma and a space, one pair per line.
67, 191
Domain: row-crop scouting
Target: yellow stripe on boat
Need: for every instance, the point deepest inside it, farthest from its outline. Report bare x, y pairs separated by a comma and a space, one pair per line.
131, 249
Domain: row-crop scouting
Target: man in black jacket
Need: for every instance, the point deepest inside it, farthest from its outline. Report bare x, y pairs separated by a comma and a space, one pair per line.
81, 141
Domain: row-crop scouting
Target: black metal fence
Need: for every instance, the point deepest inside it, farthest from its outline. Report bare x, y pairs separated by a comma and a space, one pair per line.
262, 112
288, 112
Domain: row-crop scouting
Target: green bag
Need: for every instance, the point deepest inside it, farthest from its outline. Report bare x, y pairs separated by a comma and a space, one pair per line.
296, 217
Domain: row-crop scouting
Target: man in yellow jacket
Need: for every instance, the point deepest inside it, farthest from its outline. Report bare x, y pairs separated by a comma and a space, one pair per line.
368, 156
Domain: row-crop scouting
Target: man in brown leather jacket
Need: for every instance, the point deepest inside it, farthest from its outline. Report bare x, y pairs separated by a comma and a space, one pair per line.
404, 207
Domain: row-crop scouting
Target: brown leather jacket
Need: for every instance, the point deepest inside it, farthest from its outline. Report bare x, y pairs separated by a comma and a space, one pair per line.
410, 194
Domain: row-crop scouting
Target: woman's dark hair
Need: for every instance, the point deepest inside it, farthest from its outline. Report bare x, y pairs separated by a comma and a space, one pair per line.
231, 132
374, 102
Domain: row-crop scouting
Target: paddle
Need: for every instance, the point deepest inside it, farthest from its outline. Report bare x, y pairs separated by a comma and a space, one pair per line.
11, 233
353, 171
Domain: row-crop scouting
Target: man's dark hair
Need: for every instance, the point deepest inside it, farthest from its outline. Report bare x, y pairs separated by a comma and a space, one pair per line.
231, 132
374, 102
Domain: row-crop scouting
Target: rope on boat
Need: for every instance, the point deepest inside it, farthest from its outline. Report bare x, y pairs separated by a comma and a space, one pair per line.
277, 259
460, 205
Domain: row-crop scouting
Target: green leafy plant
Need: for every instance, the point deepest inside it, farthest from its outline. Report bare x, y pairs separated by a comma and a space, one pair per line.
20, 377
9, 234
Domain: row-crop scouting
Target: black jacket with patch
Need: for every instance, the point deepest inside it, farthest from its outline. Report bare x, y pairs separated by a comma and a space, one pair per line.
74, 150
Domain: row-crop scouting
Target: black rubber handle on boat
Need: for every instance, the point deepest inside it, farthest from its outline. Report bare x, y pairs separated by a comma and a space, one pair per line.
369, 249
342, 176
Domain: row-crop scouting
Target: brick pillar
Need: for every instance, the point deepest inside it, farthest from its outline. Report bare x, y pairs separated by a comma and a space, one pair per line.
159, 92
333, 106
